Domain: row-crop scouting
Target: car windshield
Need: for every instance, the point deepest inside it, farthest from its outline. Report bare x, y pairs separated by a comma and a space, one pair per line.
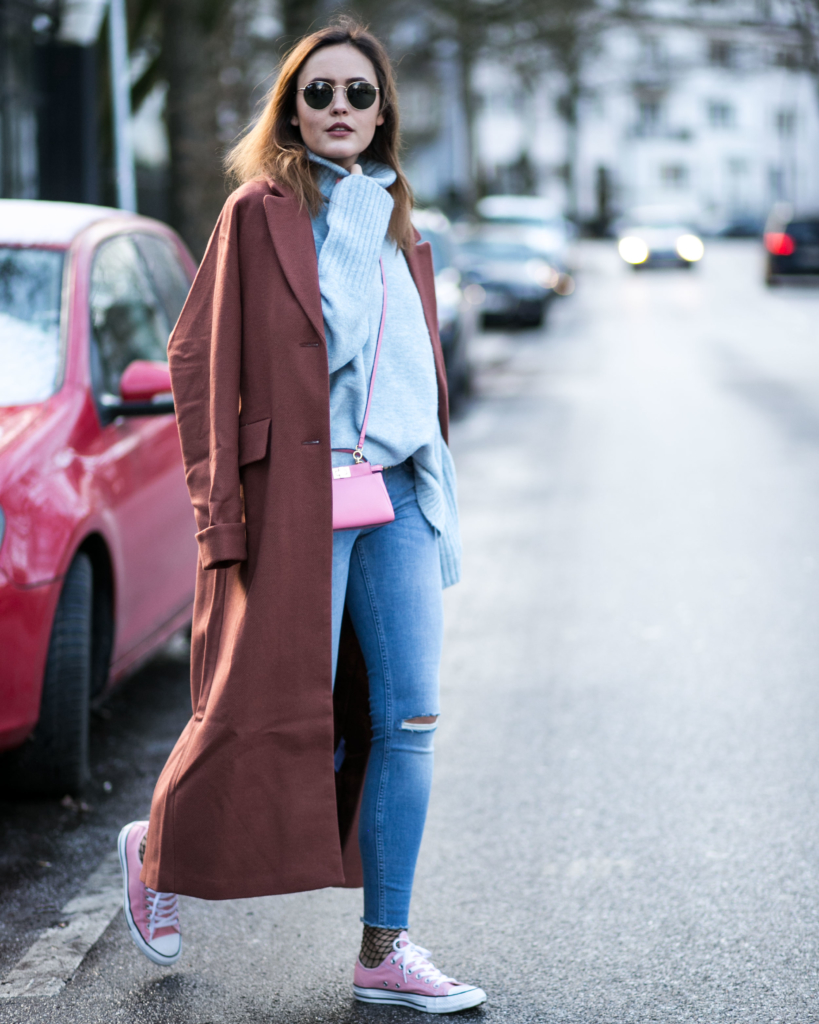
552, 223
30, 290
806, 231
635, 229
502, 252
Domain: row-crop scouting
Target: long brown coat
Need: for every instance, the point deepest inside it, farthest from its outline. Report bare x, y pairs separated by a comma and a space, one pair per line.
248, 803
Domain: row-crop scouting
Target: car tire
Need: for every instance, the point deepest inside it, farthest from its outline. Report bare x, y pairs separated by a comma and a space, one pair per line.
54, 759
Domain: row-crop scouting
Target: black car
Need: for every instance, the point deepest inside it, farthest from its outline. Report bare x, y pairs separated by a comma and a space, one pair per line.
514, 281
457, 317
792, 245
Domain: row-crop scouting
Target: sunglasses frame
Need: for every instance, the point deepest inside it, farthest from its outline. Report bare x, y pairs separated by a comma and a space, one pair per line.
335, 88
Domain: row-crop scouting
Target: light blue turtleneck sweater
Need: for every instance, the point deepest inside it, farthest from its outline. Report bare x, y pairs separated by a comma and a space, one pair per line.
350, 233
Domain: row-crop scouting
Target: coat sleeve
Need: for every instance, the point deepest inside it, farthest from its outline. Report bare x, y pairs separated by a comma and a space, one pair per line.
204, 353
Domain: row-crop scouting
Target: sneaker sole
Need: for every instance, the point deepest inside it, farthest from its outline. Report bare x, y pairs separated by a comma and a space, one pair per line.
136, 935
426, 1004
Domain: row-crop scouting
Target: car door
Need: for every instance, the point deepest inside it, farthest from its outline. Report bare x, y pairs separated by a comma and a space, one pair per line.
162, 472
140, 460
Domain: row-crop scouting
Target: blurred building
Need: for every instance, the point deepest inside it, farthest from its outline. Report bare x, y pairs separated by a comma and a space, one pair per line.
705, 110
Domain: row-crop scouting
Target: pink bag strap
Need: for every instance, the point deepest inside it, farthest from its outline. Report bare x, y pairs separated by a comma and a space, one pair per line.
358, 454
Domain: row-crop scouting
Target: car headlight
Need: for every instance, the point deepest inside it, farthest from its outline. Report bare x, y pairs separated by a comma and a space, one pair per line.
690, 248
633, 249
542, 273
447, 293
475, 294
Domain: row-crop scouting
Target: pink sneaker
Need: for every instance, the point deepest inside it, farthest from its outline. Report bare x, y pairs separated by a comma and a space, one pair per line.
408, 978
153, 917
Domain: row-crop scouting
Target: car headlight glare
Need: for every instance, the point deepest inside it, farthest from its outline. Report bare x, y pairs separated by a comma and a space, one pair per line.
633, 249
542, 273
447, 293
690, 248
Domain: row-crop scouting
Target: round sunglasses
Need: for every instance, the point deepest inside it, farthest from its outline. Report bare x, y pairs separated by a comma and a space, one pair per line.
319, 95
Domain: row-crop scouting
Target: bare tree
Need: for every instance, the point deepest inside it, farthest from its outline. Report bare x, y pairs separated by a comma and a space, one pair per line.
561, 36
200, 50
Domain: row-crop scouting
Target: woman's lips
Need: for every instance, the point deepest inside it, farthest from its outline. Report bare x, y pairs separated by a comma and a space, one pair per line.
339, 129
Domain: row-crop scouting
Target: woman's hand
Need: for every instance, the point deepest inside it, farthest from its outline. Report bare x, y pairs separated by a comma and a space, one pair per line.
356, 169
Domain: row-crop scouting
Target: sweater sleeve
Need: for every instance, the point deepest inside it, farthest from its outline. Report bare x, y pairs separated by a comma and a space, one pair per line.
358, 215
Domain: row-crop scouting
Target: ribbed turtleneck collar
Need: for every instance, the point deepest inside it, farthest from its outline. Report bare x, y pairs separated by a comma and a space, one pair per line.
379, 173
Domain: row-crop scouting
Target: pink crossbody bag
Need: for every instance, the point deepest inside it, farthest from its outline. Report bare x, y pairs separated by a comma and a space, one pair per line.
360, 495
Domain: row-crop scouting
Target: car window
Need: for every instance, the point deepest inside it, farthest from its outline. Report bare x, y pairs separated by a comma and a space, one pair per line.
441, 255
805, 231
127, 319
500, 251
167, 272
30, 349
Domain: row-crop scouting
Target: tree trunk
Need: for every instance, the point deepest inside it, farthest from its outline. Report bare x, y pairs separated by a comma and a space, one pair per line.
193, 53
466, 64
298, 18
572, 133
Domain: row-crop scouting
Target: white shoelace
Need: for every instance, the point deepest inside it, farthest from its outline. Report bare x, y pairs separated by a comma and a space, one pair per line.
163, 910
413, 961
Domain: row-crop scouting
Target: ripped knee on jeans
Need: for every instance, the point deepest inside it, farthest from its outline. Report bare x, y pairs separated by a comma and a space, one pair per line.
421, 723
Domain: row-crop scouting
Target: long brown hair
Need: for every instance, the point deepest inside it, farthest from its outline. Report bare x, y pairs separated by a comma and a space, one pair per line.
273, 147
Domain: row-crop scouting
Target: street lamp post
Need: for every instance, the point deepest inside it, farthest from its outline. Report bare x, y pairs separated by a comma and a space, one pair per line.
121, 93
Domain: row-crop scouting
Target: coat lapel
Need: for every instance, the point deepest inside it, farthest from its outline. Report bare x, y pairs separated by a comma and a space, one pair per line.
292, 235
419, 260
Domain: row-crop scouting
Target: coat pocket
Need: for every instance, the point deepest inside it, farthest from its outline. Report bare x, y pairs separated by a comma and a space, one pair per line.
253, 441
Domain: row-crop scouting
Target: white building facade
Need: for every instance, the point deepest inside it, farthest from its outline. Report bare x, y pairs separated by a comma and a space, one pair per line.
708, 114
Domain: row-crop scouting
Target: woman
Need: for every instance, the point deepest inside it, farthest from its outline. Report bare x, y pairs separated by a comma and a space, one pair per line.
315, 652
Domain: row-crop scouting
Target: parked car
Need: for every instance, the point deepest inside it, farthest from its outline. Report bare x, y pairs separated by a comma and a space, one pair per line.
97, 546
513, 282
791, 244
457, 317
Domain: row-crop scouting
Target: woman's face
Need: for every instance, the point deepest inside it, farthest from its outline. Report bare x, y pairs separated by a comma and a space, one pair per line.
339, 132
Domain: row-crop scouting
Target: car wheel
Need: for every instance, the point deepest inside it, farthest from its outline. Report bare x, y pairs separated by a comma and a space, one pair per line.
54, 759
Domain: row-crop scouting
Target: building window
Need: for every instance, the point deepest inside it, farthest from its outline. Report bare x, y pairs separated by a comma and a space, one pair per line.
776, 183
653, 55
650, 113
722, 53
721, 115
787, 58
737, 166
785, 121
674, 176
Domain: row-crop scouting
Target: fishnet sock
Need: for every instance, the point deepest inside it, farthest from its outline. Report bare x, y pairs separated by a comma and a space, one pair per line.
376, 944
143, 843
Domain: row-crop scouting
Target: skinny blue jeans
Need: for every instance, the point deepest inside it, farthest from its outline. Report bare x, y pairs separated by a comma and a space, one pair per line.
390, 578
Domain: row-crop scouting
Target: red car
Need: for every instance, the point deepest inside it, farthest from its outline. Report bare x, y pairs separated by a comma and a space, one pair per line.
97, 546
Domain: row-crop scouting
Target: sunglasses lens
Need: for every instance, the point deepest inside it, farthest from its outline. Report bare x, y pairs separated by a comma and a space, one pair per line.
361, 95
318, 95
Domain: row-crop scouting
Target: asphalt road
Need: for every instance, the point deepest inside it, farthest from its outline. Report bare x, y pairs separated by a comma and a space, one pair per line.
624, 818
